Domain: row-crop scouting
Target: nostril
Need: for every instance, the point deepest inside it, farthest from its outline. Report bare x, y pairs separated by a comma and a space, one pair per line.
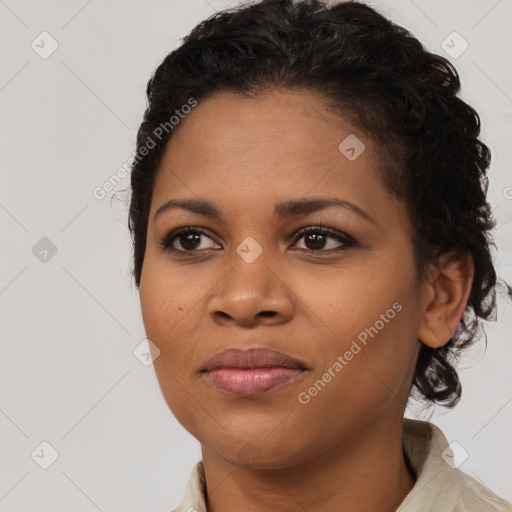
267, 313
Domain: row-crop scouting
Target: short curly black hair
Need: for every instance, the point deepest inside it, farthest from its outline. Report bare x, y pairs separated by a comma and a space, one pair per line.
380, 77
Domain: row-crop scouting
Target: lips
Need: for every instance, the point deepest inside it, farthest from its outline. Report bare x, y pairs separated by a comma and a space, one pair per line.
252, 358
248, 372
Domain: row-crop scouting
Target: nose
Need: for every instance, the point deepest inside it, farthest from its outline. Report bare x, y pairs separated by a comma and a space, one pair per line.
250, 294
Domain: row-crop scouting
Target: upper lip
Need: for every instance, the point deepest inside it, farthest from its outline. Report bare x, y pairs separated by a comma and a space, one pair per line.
252, 358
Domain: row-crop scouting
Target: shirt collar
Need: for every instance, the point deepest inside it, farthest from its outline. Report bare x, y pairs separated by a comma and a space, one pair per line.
439, 484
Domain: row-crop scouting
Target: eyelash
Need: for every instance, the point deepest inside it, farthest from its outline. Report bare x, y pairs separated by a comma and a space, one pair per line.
346, 241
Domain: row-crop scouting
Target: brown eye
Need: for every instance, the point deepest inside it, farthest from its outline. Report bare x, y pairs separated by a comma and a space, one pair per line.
190, 239
316, 239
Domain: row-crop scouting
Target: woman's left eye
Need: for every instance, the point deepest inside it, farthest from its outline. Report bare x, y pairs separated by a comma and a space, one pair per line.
316, 240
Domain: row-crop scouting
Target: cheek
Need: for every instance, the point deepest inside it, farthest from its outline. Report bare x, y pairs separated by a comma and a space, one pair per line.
173, 312
352, 299
167, 296
164, 314
372, 324
364, 373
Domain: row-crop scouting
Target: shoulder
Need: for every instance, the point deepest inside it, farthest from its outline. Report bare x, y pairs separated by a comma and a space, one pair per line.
474, 496
440, 484
195, 491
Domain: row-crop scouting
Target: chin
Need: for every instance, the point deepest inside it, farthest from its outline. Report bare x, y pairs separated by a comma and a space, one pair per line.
246, 449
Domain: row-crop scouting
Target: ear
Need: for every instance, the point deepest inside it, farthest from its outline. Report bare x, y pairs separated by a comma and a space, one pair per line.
447, 290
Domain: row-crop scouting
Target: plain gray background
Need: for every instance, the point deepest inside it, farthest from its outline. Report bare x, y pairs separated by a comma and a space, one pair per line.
71, 320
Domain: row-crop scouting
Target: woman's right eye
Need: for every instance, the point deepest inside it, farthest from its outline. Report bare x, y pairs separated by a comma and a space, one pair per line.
188, 238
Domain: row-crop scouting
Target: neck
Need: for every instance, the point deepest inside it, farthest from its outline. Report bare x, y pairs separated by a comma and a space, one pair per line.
366, 474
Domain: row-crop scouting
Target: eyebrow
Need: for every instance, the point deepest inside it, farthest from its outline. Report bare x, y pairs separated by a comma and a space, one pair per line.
284, 210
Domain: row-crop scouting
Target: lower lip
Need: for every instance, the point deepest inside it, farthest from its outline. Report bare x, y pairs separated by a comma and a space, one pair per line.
251, 381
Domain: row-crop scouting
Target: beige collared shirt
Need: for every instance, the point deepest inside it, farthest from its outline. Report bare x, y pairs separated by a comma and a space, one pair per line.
439, 487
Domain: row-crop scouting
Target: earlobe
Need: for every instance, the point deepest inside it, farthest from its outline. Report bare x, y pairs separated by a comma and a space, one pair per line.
448, 290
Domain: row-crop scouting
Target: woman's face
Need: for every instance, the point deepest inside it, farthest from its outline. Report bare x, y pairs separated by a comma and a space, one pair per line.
346, 304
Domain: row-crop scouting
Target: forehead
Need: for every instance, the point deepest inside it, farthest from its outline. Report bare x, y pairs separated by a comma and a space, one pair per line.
282, 118
283, 140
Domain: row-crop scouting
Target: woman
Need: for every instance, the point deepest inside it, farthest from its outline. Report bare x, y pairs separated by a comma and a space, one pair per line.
311, 245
